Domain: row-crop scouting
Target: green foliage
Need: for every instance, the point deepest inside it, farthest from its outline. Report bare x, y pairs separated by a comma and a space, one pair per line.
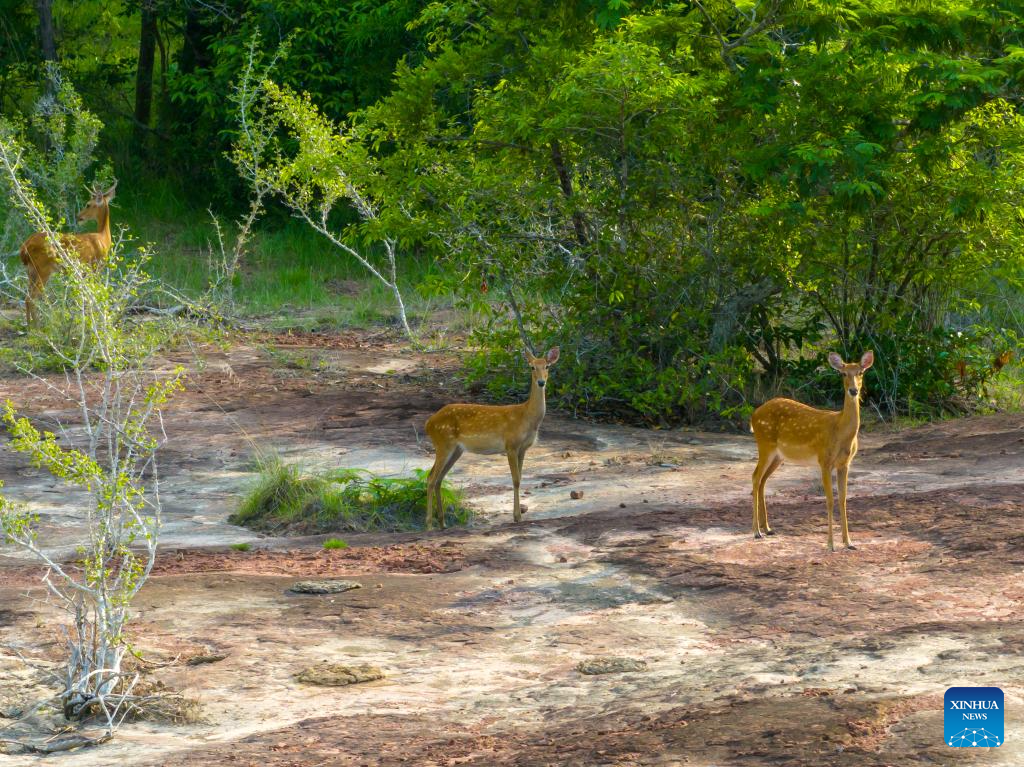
241, 546
285, 498
335, 543
696, 207
694, 201
344, 52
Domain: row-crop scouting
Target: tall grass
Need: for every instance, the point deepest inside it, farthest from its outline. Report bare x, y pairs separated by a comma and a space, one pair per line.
291, 276
285, 499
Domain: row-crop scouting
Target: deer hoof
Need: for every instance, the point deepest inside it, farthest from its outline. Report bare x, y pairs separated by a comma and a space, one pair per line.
758, 536
769, 532
851, 547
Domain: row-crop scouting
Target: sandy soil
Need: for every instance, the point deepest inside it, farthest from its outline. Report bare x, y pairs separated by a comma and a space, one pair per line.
758, 652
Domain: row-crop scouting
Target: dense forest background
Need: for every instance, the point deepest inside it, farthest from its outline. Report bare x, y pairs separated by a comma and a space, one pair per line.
694, 199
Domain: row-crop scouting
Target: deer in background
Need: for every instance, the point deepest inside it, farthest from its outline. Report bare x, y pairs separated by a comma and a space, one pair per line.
787, 430
487, 430
41, 259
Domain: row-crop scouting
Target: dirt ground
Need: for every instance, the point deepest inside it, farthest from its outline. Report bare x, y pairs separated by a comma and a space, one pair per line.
757, 652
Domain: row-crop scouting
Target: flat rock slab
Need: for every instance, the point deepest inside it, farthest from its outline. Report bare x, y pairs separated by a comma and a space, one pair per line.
610, 665
324, 587
339, 674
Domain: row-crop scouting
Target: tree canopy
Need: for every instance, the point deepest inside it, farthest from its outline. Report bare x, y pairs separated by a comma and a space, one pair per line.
694, 199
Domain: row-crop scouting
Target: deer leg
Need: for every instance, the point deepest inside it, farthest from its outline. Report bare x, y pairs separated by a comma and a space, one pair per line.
515, 467
762, 464
431, 500
441, 456
826, 481
522, 457
452, 459
842, 472
35, 289
775, 464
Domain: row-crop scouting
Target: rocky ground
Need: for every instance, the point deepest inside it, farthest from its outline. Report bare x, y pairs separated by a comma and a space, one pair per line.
721, 649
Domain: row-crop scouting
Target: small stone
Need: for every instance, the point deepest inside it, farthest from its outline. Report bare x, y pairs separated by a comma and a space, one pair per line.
339, 674
575, 494
324, 587
610, 665
622, 505
199, 660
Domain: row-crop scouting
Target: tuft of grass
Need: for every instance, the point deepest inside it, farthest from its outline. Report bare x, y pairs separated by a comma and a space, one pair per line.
335, 543
285, 499
241, 546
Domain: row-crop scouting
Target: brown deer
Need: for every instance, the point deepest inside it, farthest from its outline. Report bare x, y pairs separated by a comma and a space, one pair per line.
41, 259
787, 430
487, 430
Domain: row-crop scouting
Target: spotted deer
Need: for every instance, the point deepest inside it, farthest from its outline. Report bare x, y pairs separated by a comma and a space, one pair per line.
487, 430
787, 430
41, 259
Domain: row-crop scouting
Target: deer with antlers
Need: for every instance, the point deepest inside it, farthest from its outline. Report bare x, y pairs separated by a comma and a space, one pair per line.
487, 430
786, 430
41, 259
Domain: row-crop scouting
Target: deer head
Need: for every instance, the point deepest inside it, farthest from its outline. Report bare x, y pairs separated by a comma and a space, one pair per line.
539, 366
98, 205
852, 372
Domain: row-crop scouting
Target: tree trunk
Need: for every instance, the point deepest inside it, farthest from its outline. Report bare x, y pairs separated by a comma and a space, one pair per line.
47, 38
144, 73
565, 183
195, 50
732, 312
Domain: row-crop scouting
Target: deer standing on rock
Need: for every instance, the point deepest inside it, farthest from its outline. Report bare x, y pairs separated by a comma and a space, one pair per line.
787, 430
41, 259
487, 430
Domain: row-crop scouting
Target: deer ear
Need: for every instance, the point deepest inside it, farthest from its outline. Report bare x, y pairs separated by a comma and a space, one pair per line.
867, 360
553, 355
835, 361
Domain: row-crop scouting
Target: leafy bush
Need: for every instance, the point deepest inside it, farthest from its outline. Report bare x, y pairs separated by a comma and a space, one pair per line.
286, 499
335, 543
695, 226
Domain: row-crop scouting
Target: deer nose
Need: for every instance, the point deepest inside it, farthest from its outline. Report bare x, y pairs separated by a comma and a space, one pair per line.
540, 383
853, 392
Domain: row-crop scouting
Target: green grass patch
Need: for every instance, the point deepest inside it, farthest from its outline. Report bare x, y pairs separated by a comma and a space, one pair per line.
287, 500
291, 277
335, 543
241, 546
